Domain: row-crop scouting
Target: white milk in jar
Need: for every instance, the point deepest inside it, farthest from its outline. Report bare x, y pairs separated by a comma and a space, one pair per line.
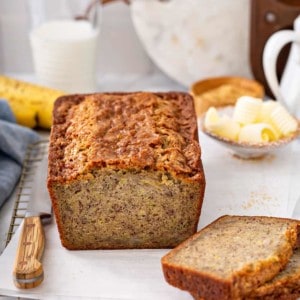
64, 55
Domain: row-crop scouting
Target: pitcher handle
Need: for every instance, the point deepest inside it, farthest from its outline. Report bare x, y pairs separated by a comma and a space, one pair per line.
270, 54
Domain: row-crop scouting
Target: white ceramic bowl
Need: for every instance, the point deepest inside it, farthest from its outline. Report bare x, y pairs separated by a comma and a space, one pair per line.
247, 150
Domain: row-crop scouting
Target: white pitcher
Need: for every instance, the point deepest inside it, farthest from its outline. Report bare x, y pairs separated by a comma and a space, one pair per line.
288, 92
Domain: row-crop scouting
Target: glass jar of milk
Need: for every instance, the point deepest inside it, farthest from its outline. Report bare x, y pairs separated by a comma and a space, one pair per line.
63, 39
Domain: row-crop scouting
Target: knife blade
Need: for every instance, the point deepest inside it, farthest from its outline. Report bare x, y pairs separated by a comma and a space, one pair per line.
28, 270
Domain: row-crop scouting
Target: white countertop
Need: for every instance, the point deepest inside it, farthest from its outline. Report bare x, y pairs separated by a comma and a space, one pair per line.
234, 186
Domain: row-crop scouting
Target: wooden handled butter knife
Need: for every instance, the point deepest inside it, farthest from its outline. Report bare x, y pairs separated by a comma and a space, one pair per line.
28, 270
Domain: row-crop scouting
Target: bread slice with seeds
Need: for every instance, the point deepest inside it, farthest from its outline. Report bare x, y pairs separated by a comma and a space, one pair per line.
232, 256
285, 285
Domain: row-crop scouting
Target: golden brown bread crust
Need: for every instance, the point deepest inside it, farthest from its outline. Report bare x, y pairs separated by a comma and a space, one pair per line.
156, 136
155, 132
207, 286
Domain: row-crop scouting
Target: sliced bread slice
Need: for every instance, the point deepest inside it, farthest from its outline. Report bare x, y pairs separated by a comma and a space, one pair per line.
231, 256
285, 285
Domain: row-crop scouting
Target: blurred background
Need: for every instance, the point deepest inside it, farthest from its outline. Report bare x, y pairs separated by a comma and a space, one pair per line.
119, 48
156, 44
186, 40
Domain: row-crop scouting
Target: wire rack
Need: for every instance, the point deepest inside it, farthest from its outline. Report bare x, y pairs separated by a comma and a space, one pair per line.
33, 157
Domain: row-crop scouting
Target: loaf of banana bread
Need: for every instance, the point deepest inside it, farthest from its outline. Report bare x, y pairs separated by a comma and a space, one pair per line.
232, 256
125, 170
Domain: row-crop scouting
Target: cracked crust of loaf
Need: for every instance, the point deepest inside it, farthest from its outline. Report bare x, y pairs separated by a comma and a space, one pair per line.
207, 286
157, 136
153, 139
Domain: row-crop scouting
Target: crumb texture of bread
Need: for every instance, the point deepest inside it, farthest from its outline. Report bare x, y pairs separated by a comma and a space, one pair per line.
231, 256
125, 170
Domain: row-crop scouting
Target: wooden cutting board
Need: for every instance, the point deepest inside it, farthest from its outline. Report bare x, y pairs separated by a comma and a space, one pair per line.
267, 17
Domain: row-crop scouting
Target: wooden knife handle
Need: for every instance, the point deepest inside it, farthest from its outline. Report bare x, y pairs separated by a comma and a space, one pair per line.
28, 270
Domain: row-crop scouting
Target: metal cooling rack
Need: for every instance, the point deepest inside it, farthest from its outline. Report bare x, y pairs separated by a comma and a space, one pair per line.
34, 155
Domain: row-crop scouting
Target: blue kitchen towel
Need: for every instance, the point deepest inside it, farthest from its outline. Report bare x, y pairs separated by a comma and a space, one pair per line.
14, 140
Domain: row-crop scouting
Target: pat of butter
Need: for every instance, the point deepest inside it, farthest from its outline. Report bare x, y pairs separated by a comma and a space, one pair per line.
247, 110
221, 126
211, 118
253, 121
283, 121
257, 133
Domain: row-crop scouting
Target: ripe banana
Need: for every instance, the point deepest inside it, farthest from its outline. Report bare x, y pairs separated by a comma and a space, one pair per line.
31, 104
